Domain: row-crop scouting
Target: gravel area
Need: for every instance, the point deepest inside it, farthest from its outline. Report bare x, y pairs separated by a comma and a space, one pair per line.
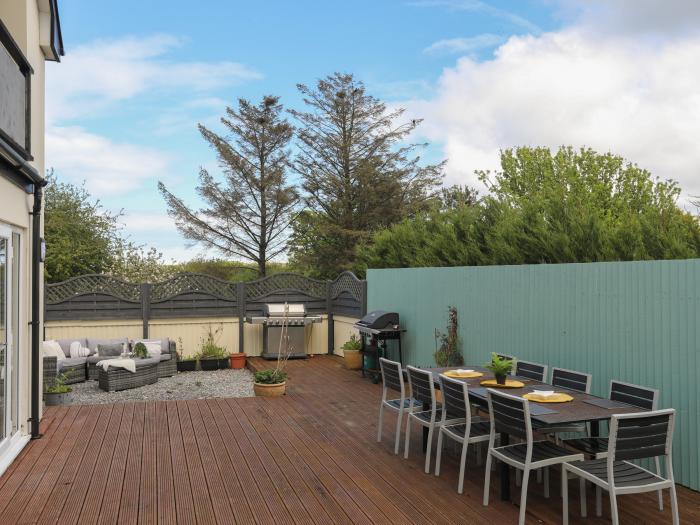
184, 385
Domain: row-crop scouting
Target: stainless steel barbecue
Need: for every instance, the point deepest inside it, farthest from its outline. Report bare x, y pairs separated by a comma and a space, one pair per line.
273, 319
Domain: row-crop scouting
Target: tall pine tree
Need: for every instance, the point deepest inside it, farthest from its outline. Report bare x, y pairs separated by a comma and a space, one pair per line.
246, 216
358, 173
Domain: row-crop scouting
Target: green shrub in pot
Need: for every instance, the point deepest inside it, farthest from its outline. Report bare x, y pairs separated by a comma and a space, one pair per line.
351, 353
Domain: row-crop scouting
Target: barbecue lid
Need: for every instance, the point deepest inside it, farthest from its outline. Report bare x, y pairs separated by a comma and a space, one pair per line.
277, 309
379, 319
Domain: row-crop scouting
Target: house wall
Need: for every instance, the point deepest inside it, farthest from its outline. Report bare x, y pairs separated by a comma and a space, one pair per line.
21, 17
632, 321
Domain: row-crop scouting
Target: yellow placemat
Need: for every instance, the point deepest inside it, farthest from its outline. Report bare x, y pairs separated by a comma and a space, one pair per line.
555, 398
510, 383
462, 375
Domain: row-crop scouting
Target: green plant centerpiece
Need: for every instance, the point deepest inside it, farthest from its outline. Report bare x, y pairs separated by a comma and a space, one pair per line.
140, 351
273, 382
351, 353
212, 354
58, 393
500, 367
448, 345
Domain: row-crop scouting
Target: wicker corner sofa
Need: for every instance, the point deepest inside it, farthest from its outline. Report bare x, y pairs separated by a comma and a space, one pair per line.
79, 369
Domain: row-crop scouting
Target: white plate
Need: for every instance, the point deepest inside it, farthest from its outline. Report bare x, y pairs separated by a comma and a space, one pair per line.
544, 393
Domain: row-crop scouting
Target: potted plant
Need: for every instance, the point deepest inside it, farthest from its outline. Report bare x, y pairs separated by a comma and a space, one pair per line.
58, 393
447, 345
237, 360
351, 353
140, 351
273, 382
212, 356
500, 368
185, 363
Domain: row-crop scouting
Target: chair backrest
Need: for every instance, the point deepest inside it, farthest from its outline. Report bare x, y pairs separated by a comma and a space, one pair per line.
392, 375
421, 385
641, 435
571, 379
455, 399
509, 414
532, 371
635, 395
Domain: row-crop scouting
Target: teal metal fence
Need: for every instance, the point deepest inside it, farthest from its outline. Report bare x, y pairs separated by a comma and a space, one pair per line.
634, 321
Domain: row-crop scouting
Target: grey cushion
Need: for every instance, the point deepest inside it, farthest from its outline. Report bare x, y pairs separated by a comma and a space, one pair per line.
92, 343
94, 359
164, 344
65, 344
110, 349
71, 362
148, 361
165, 357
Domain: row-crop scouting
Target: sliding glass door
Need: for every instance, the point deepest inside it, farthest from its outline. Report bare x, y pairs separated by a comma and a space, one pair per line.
9, 328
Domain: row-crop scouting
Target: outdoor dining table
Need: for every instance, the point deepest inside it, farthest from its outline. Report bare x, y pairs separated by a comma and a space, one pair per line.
581, 409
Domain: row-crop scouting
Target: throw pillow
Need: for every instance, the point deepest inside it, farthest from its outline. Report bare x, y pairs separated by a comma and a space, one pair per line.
51, 348
153, 348
78, 350
110, 350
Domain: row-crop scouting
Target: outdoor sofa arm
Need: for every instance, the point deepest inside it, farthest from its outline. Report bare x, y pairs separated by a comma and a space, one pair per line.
50, 371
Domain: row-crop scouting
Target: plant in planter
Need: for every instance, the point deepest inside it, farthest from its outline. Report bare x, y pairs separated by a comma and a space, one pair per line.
273, 382
212, 356
500, 367
140, 351
351, 353
58, 393
185, 363
449, 353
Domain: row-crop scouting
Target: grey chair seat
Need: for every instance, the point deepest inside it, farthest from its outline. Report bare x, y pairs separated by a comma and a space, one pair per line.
480, 428
165, 357
146, 362
396, 403
626, 474
593, 446
425, 416
541, 451
71, 362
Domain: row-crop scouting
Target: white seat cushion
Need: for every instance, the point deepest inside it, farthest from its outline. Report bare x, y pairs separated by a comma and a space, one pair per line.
51, 348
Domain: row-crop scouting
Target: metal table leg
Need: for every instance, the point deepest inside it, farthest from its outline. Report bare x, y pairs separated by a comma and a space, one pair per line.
505, 471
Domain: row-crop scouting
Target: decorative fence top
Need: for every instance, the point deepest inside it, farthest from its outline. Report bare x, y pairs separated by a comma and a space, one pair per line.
92, 284
184, 283
347, 282
285, 282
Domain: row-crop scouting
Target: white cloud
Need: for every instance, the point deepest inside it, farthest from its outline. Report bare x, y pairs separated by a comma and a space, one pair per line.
109, 167
478, 6
634, 96
93, 76
464, 45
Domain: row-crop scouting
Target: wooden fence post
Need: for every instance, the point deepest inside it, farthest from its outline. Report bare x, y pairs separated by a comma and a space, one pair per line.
331, 322
145, 307
240, 295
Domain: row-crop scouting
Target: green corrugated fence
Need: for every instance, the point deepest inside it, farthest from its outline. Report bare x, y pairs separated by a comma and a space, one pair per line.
633, 321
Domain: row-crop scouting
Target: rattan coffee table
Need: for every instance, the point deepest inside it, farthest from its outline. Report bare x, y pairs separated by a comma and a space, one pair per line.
114, 379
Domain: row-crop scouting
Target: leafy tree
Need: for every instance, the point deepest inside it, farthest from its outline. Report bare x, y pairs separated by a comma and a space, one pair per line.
248, 214
357, 171
544, 207
226, 270
80, 234
137, 264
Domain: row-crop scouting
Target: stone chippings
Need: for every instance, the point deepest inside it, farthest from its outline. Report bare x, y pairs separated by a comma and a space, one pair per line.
183, 385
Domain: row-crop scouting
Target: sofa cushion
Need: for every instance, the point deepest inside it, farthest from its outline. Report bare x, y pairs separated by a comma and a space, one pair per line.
110, 349
78, 350
92, 343
165, 357
52, 349
70, 362
147, 361
164, 343
65, 344
94, 359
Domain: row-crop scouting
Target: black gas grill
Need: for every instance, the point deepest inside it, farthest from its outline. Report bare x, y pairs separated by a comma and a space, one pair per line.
376, 329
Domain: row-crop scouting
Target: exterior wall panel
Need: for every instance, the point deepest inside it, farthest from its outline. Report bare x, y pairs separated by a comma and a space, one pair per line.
632, 321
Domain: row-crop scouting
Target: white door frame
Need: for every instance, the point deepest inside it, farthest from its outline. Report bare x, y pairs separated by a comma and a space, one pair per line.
11, 444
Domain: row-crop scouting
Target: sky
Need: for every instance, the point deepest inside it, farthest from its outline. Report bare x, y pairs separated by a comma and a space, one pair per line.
123, 105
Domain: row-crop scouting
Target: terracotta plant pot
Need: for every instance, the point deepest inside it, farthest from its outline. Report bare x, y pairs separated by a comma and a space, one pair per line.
353, 359
237, 360
266, 390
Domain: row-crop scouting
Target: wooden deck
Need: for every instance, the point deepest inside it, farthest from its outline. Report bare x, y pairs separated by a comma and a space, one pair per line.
310, 457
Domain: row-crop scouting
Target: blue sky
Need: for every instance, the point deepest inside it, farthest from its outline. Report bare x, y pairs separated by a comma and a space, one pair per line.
122, 107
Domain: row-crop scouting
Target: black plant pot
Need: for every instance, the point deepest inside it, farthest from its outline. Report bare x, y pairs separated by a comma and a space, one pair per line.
187, 366
501, 379
223, 363
209, 364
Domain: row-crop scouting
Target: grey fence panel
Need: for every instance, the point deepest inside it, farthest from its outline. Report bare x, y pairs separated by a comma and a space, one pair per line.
90, 306
348, 295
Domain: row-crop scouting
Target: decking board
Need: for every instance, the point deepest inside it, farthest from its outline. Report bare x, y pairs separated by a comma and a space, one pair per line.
310, 457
